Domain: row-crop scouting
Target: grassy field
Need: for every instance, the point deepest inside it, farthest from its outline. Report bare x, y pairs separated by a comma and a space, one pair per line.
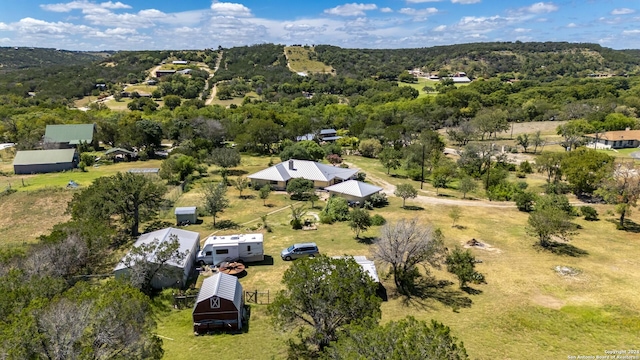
298, 60
141, 88
236, 101
526, 311
422, 82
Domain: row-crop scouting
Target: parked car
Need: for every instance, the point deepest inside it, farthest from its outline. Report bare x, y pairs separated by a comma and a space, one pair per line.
296, 251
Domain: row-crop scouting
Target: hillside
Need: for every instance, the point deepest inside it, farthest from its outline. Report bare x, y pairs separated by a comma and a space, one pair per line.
25, 58
541, 61
303, 59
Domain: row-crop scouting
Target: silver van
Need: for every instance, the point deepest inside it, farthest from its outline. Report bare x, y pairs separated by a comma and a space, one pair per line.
296, 251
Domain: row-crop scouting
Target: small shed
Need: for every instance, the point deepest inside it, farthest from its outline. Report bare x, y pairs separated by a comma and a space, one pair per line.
220, 304
186, 215
44, 161
177, 272
354, 190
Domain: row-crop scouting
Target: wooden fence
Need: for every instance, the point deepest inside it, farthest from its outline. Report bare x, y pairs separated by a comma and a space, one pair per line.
257, 297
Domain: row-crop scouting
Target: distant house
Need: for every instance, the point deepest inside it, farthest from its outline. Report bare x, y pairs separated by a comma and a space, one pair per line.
322, 175
329, 135
353, 190
145, 171
120, 154
180, 62
178, 272
161, 73
187, 214
151, 82
44, 161
460, 79
220, 304
71, 135
615, 139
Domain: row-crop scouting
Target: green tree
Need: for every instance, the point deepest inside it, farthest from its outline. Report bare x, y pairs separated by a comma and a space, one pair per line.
128, 197
178, 164
299, 188
303, 150
264, 193
337, 209
549, 165
321, 296
397, 340
241, 184
455, 215
443, 174
172, 101
467, 185
622, 189
462, 264
523, 140
584, 169
404, 246
297, 214
537, 141
490, 121
547, 223
215, 199
359, 221
573, 133
370, 147
405, 191
390, 158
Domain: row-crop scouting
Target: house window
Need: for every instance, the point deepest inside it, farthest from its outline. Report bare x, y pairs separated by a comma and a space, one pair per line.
629, 142
272, 182
248, 247
222, 251
215, 302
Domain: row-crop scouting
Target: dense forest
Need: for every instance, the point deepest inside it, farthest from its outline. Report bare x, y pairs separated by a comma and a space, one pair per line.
25, 58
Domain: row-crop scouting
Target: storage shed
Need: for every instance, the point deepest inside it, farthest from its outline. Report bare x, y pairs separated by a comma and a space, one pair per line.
186, 215
176, 273
220, 304
44, 161
70, 135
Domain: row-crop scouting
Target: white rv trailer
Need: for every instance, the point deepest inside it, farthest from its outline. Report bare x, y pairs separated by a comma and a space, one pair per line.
243, 247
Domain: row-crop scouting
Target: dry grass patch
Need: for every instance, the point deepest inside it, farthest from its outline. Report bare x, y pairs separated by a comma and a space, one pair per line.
298, 59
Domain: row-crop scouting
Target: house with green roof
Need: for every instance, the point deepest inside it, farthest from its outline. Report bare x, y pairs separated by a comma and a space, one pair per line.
44, 161
70, 135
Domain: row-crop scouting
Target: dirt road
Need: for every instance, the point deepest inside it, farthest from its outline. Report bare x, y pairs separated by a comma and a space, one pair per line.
214, 90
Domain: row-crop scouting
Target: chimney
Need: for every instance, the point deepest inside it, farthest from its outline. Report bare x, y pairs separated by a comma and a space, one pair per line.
291, 165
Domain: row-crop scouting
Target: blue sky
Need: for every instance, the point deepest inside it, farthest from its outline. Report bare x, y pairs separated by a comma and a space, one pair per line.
197, 24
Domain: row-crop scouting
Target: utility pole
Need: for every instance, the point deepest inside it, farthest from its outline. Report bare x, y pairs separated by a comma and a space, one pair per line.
422, 177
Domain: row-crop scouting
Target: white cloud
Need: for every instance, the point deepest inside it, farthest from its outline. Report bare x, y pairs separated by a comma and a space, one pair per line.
440, 28
622, 11
572, 25
421, 1
386, 10
5, 40
631, 32
230, 9
521, 30
352, 9
465, 2
34, 26
85, 6
419, 14
541, 8
5, 27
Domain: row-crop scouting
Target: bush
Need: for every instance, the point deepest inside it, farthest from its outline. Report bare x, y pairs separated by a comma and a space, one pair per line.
589, 213
524, 200
360, 176
526, 167
415, 174
82, 166
503, 191
379, 200
337, 209
87, 159
370, 148
378, 220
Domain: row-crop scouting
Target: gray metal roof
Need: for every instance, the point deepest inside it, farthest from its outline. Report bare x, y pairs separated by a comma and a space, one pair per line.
71, 133
186, 210
367, 265
187, 240
305, 169
222, 285
39, 157
354, 188
327, 131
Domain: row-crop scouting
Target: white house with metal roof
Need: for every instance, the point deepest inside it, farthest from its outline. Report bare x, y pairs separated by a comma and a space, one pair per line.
220, 304
322, 175
368, 266
353, 190
176, 273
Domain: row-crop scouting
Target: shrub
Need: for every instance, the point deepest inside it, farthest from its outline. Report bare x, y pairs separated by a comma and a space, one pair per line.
337, 209
379, 200
378, 220
82, 166
370, 148
526, 167
589, 213
524, 200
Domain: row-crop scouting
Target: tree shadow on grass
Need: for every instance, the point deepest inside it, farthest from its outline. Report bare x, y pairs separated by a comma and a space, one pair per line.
471, 291
629, 225
563, 249
413, 208
368, 240
226, 224
247, 197
426, 290
236, 172
444, 195
398, 176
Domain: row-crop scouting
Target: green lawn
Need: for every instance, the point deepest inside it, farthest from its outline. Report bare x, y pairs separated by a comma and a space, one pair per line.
298, 59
